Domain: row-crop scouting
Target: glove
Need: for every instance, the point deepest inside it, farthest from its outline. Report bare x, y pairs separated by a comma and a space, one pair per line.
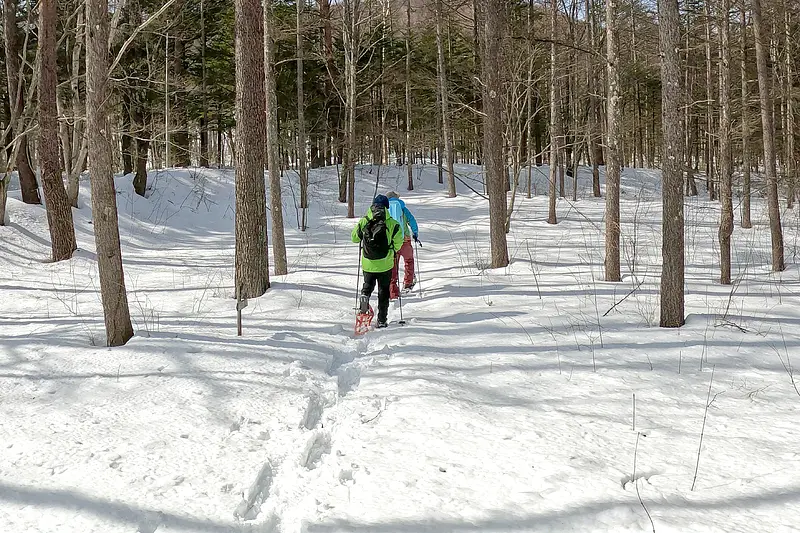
416, 240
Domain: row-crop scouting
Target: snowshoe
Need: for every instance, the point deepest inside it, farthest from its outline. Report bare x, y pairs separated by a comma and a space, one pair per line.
364, 320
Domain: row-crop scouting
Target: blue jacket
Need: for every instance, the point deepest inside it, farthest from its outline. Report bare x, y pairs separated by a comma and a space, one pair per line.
399, 212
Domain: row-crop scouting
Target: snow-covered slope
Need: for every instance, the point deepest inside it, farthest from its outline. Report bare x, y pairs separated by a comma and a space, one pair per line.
505, 404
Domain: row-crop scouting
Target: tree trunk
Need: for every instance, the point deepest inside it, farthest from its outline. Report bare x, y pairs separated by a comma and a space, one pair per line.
594, 104
612, 262
127, 140
204, 118
409, 149
251, 258
672, 248
301, 122
710, 184
80, 141
496, 172
141, 120
447, 133
272, 143
180, 138
16, 91
59, 212
746, 222
789, 106
351, 40
726, 221
104, 198
768, 134
554, 111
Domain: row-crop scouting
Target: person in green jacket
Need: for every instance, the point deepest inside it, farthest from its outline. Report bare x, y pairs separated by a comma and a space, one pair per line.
380, 237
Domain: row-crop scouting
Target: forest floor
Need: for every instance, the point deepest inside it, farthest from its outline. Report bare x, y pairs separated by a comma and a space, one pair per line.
535, 397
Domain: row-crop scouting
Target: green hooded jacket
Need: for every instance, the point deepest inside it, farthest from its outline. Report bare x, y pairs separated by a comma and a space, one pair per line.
393, 234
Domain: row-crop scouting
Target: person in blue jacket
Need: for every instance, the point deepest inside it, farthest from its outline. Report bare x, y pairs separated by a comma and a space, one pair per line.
408, 226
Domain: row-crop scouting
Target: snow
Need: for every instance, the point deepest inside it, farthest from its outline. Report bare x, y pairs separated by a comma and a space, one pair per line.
505, 404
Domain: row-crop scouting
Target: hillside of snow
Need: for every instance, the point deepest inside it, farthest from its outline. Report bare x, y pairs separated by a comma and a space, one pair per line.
531, 398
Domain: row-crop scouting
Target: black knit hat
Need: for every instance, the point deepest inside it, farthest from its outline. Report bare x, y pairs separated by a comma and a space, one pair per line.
381, 200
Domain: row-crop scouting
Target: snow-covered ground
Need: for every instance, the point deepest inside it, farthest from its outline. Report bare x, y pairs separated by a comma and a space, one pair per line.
532, 398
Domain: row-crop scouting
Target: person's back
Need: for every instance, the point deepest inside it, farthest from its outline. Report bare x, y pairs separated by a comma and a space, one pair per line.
380, 236
408, 225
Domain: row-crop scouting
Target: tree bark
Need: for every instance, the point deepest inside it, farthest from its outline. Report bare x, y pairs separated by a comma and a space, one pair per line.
80, 142
301, 122
272, 144
496, 171
180, 137
127, 140
710, 184
768, 137
351, 40
612, 262
251, 257
726, 221
447, 132
16, 91
746, 222
672, 272
409, 149
59, 212
789, 105
104, 199
204, 118
555, 106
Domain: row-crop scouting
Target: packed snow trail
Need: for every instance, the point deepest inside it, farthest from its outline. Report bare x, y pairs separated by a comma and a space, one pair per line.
504, 404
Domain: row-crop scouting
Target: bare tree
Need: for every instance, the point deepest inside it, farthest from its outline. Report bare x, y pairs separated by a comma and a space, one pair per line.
16, 90
251, 258
351, 40
444, 98
104, 198
59, 212
746, 223
768, 137
272, 139
789, 123
496, 172
726, 221
612, 144
301, 123
555, 106
672, 270
72, 130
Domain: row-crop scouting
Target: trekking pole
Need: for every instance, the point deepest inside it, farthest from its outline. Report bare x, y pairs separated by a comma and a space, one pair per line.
402, 322
358, 276
419, 280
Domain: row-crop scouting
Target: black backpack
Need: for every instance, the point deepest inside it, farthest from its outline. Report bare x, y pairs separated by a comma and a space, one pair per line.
374, 235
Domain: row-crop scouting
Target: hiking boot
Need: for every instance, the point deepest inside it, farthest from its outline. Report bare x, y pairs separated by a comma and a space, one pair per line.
381, 325
363, 304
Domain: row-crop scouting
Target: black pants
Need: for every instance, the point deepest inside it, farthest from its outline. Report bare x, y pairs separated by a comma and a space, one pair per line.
384, 279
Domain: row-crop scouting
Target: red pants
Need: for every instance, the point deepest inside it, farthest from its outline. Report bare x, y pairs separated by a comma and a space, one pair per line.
407, 253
